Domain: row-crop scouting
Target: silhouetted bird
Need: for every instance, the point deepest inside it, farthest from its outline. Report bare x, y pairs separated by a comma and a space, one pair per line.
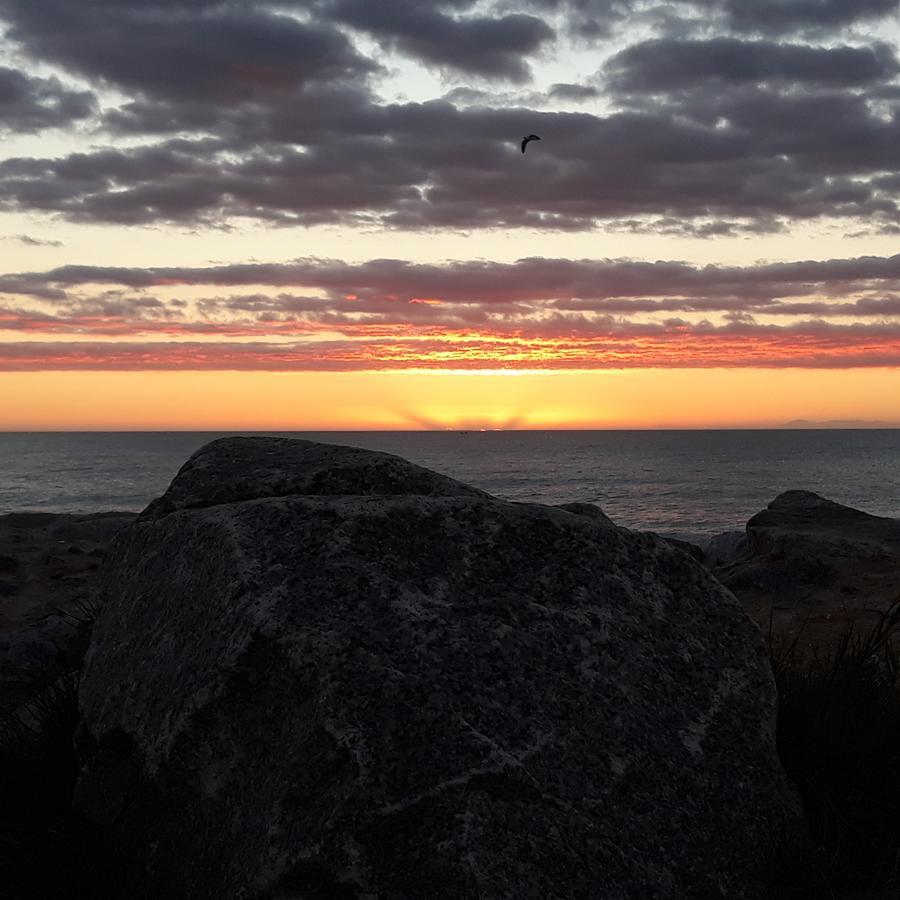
527, 138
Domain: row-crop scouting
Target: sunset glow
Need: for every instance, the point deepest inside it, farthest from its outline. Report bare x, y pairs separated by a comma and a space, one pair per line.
314, 401
252, 242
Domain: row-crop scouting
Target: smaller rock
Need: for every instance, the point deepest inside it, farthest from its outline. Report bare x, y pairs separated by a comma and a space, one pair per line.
590, 511
692, 550
726, 549
814, 565
801, 522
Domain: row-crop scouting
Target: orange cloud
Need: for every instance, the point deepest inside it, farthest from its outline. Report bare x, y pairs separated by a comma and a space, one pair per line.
677, 348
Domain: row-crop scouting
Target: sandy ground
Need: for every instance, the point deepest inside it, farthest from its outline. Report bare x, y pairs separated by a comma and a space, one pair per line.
47, 562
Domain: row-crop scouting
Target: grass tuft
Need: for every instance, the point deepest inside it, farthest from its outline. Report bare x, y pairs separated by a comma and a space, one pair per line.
839, 741
38, 769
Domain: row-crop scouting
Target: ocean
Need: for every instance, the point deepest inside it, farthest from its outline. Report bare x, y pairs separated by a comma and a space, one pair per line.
687, 484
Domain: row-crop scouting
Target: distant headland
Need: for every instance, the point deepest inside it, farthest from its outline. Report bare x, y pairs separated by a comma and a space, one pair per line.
839, 423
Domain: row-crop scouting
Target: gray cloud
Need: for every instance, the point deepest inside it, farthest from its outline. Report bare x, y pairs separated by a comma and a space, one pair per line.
284, 125
182, 51
575, 92
488, 283
30, 104
488, 46
588, 19
433, 165
30, 241
30, 286
667, 65
782, 16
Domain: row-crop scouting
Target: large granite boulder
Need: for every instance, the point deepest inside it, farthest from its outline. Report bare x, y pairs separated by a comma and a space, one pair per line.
331, 685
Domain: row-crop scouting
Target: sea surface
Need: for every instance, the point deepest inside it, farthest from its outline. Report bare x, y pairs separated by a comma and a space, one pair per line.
688, 484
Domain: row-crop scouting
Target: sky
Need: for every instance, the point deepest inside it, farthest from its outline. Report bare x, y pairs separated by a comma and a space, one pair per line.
316, 215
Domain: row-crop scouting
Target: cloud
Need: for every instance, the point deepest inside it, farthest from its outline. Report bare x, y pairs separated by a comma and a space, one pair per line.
386, 293
432, 165
183, 51
578, 93
532, 278
29, 104
588, 19
238, 110
34, 286
667, 65
270, 112
536, 313
736, 345
782, 16
487, 46
30, 241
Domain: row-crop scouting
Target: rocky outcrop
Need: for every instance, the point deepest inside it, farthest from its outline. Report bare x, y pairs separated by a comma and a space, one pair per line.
370, 681
811, 562
799, 523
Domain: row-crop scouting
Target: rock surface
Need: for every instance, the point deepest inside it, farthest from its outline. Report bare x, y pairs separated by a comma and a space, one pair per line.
726, 549
48, 563
591, 510
811, 562
413, 690
801, 522
230, 470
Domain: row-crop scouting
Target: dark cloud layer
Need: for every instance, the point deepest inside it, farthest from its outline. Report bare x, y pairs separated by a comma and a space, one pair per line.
488, 46
30, 104
780, 16
271, 111
433, 165
666, 65
179, 52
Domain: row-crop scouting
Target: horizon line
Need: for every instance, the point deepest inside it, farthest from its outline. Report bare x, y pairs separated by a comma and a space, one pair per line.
886, 426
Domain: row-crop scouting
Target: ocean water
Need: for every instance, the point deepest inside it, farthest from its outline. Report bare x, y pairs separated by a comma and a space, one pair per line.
688, 484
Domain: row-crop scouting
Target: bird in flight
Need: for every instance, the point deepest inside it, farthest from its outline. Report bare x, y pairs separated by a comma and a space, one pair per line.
527, 138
